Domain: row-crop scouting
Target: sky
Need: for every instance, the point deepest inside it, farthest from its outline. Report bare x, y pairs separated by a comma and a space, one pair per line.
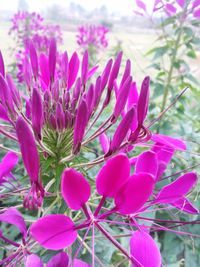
124, 7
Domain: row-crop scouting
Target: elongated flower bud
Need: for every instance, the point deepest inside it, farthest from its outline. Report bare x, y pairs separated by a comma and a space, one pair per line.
14, 91
34, 59
27, 72
127, 72
73, 70
77, 89
60, 117
90, 99
97, 92
143, 101
52, 59
28, 149
122, 97
105, 74
113, 76
84, 67
80, 125
122, 131
115, 70
44, 69
37, 113
65, 67
5, 95
2, 67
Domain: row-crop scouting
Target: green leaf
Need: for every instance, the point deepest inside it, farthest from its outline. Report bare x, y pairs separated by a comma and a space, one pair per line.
158, 51
192, 54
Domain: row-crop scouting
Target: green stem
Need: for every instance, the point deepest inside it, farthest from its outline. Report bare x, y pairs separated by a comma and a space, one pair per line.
172, 61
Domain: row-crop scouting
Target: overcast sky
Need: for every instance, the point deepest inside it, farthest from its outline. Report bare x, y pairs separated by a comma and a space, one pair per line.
121, 6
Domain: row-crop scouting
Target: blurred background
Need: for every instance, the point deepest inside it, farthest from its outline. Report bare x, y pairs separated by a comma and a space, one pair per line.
127, 31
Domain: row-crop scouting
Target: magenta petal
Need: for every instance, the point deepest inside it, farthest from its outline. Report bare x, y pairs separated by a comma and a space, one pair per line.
122, 130
54, 231
5, 94
59, 260
196, 13
92, 71
170, 9
147, 162
80, 125
141, 4
34, 59
145, 250
2, 68
52, 58
195, 4
44, 68
37, 112
143, 101
113, 175
164, 153
28, 148
80, 263
105, 142
33, 261
122, 97
73, 70
115, 70
185, 205
127, 72
181, 3
169, 141
64, 66
133, 96
14, 91
14, 217
75, 189
85, 67
8, 163
134, 194
176, 190
105, 74
3, 113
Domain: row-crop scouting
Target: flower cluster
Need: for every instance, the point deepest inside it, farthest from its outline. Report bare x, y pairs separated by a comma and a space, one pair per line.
27, 26
57, 126
92, 38
171, 8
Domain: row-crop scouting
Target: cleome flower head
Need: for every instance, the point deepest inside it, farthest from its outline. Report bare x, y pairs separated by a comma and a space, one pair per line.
132, 195
77, 187
59, 117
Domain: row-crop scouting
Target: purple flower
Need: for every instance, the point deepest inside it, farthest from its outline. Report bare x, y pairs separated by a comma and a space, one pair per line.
92, 36
31, 161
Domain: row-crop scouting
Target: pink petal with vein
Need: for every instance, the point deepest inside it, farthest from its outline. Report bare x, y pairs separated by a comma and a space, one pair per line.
105, 142
176, 190
113, 175
8, 162
75, 189
147, 162
169, 141
59, 260
33, 261
134, 194
145, 250
14, 217
54, 231
185, 205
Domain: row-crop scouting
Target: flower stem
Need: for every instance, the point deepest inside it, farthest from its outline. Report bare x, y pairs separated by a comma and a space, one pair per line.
118, 245
99, 206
